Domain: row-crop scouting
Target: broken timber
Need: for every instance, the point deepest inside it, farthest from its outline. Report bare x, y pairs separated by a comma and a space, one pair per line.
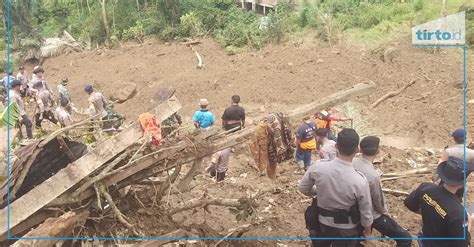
151, 165
56, 185
54, 191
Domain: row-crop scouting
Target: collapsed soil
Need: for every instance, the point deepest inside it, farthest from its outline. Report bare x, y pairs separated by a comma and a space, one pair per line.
279, 78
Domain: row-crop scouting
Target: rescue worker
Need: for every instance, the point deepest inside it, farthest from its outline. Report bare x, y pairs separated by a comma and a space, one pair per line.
114, 117
8, 78
343, 208
63, 94
305, 142
97, 106
442, 214
456, 150
203, 118
369, 147
15, 96
234, 116
38, 75
219, 164
327, 147
44, 102
22, 76
64, 117
324, 120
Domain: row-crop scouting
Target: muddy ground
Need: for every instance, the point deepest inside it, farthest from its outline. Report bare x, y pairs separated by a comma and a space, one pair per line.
414, 125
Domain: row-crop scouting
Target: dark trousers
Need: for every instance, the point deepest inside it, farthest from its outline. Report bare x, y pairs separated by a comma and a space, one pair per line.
106, 123
305, 155
28, 124
390, 228
337, 234
46, 115
219, 175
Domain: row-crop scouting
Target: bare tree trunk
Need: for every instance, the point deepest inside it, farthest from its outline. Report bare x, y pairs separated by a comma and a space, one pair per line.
106, 23
78, 10
138, 6
89, 7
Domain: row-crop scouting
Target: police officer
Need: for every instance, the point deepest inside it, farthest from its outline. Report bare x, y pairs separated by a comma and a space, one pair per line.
369, 147
343, 206
442, 213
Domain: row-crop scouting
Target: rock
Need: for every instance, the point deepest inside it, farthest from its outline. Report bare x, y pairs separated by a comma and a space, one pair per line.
412, 163
126, 92
243, 175
271, 201
290, 64
319, 61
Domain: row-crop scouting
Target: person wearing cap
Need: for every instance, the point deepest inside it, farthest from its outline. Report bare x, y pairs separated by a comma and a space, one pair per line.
369, 147
234, 116
44, 102
456, 150
63, 94
15, 96
305, 142
442, 214
343, 207
38, 75
23, 78
64, 116
203, 118
324, 119
327, 147
98, 106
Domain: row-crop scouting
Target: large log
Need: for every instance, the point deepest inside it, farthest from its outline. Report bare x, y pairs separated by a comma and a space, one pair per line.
56, 185
53, 228
184, 152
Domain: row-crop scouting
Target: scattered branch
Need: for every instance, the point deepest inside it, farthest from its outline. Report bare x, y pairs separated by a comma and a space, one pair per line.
118, 214
392, 94
396, 192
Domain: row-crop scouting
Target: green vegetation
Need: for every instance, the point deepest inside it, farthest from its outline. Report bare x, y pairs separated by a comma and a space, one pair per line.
368, 21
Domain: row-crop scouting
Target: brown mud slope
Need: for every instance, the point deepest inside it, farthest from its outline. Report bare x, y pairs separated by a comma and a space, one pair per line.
279, 78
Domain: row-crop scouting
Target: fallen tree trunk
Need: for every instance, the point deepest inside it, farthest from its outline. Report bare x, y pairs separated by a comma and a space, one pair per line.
53, 228
56, 185
185, 152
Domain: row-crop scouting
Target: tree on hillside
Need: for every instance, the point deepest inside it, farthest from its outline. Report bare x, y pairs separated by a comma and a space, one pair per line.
106, 23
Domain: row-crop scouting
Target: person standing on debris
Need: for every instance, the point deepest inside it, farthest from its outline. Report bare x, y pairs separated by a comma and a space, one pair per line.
328, 149
305, 141
456, 150
442, 214
219, 164
234, 116
23, 78
203, 118
343, 207
369, 147
38, 75
64, 116
15, 96
44, 102
324, 120
97, 106
63, 94
8, 78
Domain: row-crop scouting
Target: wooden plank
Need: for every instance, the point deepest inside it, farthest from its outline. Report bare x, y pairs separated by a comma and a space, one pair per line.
56, 185
153, 165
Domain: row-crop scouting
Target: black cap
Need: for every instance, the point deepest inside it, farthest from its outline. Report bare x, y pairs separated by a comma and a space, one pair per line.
370, 145
451, 171
15, 83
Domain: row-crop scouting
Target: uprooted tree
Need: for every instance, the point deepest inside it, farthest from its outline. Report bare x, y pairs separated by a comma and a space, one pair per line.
96, 180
